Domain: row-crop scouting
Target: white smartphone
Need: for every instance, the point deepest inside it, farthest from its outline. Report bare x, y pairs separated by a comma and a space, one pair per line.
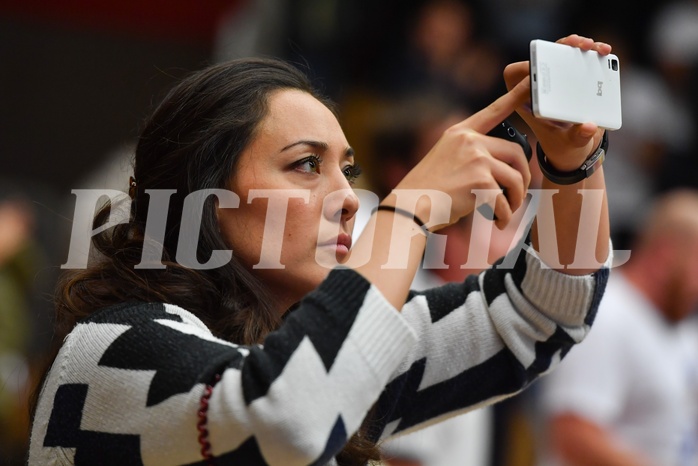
575, 86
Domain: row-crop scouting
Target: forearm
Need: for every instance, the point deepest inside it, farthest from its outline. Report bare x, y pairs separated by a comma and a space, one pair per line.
565, 222
487, 337
388, 254
580, 442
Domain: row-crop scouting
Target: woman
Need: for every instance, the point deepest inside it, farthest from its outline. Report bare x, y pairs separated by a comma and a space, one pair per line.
272, 358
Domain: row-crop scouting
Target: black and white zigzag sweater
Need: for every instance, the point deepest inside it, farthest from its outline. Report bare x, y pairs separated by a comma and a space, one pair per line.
129, 382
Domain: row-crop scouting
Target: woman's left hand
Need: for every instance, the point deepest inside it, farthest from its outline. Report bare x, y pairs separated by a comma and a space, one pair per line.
566, 145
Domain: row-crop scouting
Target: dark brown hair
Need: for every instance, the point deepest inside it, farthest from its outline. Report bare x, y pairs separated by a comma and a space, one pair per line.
192, 142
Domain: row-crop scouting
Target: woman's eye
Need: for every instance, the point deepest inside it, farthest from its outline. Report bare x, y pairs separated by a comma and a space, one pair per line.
310, 164
352, 172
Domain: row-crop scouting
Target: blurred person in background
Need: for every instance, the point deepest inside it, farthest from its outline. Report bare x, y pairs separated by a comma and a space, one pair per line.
447, 51
657, 126
628, 395
514, 22
31, 236
673, 33
19, 262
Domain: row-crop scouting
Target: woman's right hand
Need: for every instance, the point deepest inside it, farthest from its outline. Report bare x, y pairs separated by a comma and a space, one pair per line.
466, 159
391, 247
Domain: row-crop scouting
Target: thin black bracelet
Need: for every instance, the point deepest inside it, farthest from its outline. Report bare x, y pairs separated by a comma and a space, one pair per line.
404, 213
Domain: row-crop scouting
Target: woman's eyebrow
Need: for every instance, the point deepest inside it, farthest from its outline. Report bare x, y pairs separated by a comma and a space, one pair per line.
315, 144
322, 146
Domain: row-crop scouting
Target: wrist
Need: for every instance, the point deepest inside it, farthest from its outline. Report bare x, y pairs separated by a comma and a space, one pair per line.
412, 200
404, 213
585, 170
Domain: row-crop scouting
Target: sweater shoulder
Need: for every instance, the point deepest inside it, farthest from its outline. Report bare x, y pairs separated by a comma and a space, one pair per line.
135, 312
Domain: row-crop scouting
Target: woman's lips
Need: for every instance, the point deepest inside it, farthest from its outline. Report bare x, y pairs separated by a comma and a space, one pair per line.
341, 243
344, 240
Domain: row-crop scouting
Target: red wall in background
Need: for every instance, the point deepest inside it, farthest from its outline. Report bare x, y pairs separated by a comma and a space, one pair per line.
190, 20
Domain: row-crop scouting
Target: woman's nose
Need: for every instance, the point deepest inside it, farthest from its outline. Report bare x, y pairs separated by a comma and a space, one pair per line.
342, 203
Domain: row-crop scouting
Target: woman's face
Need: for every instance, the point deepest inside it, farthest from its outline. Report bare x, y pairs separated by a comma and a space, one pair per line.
299, 157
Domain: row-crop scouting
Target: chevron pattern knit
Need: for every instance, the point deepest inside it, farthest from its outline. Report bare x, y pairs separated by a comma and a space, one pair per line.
128, 384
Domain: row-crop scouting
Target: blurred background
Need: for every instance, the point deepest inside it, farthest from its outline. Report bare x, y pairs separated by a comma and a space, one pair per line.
77, 77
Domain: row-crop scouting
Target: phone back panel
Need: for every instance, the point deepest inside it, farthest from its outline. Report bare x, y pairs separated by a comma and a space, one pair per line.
571, 85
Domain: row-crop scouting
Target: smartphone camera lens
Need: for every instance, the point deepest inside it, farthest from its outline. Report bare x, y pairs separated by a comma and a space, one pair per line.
614, 64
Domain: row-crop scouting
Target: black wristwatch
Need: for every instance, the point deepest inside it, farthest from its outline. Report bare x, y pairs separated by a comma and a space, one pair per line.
589, 166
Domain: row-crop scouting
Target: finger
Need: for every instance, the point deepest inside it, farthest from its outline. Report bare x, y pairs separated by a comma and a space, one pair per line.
586, 43
490, 116
602, 48
585, 130
578, 41
584, 135
485, 198
514, 73
502, 212
512, 182
511, 154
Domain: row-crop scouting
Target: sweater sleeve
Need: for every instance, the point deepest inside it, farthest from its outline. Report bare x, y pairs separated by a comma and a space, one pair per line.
132, 384
487, 338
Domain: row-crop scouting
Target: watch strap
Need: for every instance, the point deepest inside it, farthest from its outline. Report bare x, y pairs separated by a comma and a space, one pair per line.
590, 165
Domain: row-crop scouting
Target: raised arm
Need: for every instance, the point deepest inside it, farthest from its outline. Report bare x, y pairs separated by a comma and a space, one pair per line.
566, 147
